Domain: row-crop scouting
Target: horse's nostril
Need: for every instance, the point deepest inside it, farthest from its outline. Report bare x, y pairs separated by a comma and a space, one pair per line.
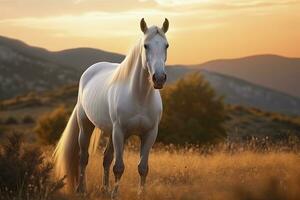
165, 77
153, 78
161, 78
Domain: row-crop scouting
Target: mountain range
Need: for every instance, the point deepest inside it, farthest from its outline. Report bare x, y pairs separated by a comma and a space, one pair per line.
265, 81
275, 72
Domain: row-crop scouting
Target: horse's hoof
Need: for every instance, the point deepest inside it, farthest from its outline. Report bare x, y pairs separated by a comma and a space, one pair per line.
141, 193
81, 191
104, 191
81, 195
114, 195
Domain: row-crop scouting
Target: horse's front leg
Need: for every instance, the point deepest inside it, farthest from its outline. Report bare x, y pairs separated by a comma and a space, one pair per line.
118, 169
147, 141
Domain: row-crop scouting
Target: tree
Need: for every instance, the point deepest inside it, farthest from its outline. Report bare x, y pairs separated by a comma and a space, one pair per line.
193, 113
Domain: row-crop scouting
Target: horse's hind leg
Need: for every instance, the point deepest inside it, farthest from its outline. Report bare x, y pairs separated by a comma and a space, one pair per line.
118, 169
107, 160
86, 128
147, 141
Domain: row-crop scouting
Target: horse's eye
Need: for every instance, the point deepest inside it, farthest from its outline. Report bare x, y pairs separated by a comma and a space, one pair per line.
167, 46
146, 46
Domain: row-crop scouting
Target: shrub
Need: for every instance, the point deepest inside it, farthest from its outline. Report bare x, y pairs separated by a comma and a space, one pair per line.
27, 119
11, 120
24, 174
2, 130
50, 126
192, 113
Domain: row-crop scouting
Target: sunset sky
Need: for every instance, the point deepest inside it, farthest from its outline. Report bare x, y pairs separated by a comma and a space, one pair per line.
200, 30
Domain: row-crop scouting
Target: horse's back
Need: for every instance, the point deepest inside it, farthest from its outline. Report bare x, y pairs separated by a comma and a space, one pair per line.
100, 68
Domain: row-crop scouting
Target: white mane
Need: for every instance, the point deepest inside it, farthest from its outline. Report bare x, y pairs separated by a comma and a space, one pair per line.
126, 66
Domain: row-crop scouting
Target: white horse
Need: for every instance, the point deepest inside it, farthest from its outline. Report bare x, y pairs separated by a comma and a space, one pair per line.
120, 100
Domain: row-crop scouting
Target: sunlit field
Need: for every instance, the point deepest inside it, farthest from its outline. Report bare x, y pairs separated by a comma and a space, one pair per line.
187, 173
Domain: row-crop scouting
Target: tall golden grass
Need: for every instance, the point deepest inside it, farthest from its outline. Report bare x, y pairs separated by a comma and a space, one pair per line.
186, 174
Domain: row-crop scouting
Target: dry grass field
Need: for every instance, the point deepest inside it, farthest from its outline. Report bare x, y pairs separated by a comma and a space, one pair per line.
185, 174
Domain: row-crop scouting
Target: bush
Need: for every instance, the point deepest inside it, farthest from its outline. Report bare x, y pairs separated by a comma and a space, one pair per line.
51, 125
27, 119
11, 120
3, 130
24, 174
192, 113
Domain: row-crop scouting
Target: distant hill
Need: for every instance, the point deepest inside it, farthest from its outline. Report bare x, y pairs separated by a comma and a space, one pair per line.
272, 71
238, 91
22, 72
25, 68
79, 58
82, 58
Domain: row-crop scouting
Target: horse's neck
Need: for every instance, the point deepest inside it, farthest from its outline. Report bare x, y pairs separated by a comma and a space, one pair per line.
140, 86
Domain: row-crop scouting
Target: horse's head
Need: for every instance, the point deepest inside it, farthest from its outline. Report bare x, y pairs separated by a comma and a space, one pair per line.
155, 52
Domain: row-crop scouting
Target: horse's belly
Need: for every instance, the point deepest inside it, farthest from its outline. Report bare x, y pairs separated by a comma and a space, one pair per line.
98, 114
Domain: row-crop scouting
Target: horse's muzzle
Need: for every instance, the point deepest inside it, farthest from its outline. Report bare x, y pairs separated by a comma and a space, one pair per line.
159, 80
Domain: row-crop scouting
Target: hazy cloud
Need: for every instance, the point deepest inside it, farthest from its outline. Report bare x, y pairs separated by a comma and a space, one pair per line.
38, 8
221, 4
92, 24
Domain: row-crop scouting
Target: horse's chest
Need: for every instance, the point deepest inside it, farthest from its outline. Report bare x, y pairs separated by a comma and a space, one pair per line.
135, 114
139, 122
139, 119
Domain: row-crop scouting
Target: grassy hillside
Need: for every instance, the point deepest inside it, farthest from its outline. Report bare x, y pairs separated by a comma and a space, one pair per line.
238, 91
244, 123
21, 73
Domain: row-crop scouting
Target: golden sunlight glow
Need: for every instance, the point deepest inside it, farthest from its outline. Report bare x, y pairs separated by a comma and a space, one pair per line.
181, 2
200, 30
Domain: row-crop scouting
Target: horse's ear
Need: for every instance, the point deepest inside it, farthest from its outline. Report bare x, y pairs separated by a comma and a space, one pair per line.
143, 25
165, 26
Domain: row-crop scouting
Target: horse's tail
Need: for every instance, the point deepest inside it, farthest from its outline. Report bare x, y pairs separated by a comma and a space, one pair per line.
66, 153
